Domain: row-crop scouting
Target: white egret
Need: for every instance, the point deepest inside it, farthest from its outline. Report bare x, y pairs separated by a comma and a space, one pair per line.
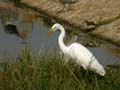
80, 54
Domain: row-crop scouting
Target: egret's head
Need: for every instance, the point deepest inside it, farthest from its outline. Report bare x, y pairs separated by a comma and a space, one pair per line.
54, 28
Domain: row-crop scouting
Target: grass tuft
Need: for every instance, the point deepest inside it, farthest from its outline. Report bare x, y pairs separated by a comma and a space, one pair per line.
51, 73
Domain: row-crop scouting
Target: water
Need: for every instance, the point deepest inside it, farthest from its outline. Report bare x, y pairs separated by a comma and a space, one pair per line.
104, 56
35, 34
37, 38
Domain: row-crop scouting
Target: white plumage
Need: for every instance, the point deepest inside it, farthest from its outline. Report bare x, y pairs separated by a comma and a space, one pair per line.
80, 54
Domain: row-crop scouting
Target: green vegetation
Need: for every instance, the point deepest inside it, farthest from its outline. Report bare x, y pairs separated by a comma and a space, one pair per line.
41, 72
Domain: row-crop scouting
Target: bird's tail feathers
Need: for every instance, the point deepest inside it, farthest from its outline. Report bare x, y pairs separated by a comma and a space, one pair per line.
95, 65
101, 70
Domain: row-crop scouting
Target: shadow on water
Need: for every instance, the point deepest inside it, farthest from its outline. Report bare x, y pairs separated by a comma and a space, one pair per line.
15, 33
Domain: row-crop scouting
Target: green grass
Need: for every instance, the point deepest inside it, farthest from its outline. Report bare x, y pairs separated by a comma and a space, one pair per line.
41, 72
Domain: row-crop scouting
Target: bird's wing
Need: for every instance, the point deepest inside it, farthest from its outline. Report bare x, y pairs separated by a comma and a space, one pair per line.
85, 58
81, 54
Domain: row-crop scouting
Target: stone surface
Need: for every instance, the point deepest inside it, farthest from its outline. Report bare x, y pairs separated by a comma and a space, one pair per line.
91, 10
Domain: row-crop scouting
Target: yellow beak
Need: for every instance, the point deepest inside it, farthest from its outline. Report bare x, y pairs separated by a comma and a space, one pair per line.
50, 31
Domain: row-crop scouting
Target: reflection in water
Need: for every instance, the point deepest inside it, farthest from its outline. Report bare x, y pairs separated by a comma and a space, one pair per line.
21, 30
36, 38
26, 28
11, 28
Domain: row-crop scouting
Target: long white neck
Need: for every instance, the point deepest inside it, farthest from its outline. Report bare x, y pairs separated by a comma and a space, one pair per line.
63, 47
